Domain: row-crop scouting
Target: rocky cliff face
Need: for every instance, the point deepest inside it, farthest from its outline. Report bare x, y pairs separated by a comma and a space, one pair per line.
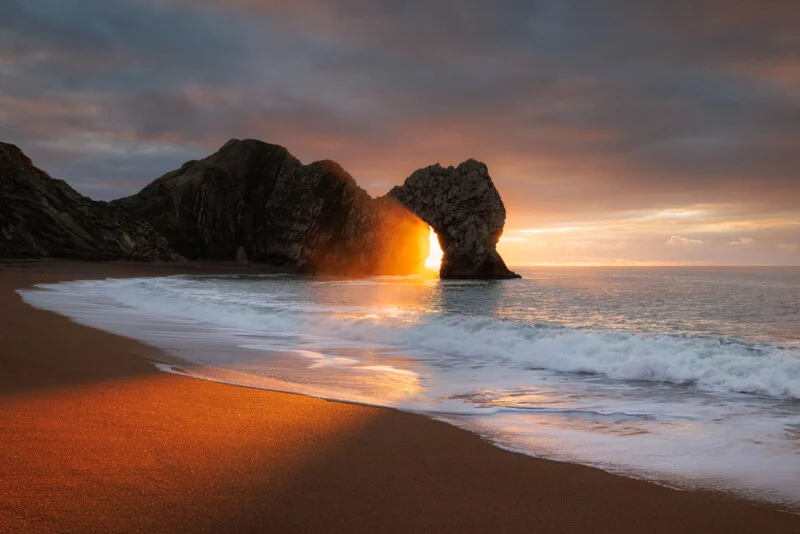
253, 201
44, 217
465, 210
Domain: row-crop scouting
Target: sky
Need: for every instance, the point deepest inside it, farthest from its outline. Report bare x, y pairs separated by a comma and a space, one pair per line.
635, 132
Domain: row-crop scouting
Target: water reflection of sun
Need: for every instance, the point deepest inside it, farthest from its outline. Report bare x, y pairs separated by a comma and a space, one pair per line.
434, 260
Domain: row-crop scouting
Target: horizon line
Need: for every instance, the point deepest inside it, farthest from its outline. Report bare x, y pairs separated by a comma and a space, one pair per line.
578, 264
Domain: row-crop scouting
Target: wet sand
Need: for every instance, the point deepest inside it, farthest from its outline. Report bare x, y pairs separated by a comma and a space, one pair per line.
94, 438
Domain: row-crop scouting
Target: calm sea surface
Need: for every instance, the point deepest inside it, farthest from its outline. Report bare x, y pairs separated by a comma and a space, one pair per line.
690, 376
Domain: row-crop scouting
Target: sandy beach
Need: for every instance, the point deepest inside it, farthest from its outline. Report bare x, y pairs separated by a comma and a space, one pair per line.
93, 438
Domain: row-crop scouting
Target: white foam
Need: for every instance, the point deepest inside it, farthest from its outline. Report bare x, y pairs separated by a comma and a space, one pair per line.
707, 364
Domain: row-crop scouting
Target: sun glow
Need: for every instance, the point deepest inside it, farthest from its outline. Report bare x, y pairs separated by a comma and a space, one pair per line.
434, 260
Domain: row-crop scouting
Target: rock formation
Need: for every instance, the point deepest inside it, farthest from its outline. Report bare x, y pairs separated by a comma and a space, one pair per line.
44, 217
465, 210
254, 201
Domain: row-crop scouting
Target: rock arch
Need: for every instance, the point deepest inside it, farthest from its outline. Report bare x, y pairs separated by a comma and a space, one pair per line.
465, 210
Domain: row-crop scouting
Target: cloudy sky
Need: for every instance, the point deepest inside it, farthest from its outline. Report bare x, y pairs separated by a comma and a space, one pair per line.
618, 132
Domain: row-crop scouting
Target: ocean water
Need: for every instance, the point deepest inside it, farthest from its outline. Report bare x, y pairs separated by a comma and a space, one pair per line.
687, 376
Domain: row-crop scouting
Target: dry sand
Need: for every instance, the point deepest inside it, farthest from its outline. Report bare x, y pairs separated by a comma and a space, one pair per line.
94, 438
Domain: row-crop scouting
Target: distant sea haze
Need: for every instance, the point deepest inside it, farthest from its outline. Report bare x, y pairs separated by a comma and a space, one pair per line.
689, 376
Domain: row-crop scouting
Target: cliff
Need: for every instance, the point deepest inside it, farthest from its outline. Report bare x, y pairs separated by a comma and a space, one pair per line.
44, 217
253, 201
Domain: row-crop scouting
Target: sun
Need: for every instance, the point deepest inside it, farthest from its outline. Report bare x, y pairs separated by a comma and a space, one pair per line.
434, 260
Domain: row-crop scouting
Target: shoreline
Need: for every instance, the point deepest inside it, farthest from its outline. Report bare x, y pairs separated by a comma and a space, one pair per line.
193, 454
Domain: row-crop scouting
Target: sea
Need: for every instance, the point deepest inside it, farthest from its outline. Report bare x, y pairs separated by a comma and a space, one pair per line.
685, 376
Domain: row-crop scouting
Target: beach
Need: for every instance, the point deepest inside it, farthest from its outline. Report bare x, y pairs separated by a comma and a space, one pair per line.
93, 437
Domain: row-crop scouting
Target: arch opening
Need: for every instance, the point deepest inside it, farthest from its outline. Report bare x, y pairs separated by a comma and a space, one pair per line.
434, 260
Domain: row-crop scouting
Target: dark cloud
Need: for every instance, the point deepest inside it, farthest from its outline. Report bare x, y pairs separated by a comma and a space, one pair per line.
119, 47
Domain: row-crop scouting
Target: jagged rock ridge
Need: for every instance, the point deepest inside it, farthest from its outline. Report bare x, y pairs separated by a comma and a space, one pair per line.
465, 210
44, 217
